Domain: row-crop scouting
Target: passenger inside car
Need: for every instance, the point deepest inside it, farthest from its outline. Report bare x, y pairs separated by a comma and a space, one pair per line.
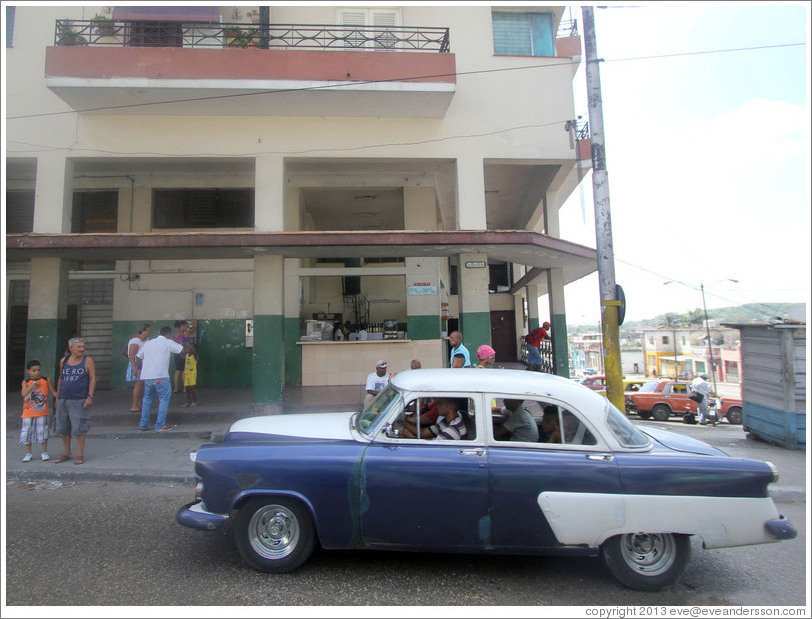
550, 430
454, 422
518, 423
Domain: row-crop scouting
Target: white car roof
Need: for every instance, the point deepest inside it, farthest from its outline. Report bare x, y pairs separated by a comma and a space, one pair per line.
515, 382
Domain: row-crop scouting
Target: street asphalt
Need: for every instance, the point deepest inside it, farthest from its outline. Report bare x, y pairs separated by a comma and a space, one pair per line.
115, 451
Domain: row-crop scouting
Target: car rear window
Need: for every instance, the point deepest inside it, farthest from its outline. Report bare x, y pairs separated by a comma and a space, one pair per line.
650, 386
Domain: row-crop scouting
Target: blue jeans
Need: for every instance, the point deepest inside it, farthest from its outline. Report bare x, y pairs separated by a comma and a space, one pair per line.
163, 388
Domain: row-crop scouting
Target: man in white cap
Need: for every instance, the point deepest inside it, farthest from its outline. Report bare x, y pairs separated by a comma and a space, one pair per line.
376, 381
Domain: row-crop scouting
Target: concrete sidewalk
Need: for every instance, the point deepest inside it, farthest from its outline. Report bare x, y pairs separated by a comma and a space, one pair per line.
116, 451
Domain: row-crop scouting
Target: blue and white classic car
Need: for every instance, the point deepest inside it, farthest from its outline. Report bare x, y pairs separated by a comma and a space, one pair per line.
543, 466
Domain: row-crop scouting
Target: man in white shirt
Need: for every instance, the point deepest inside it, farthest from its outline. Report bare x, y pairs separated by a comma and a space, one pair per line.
155, 356
700, 384
376, 381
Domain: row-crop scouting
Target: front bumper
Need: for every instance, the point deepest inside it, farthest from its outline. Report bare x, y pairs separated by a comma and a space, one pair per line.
194, 516
780, 528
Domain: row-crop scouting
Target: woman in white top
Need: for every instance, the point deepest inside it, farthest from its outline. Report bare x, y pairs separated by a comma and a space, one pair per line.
134, 366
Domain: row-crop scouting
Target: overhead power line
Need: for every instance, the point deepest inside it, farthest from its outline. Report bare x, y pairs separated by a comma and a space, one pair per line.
395, 79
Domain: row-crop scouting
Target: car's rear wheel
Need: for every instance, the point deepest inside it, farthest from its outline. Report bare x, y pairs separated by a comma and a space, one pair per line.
661, 412
646, 561
274, 534
734, 415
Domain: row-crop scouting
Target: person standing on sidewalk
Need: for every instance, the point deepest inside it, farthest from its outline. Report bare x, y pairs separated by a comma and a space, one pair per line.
185, 329
77, 382
190, 376
155, 374
36, 391
135, 344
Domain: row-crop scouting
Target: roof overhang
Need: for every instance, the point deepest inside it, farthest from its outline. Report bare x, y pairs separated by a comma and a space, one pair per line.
515, 246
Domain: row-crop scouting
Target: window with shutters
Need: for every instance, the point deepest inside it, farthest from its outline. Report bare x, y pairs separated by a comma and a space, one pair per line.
94, 211
19, 212
203, 208
372, 32
523, 34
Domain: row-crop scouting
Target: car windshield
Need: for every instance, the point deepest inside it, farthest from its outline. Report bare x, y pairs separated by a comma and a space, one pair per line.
371, 417
650, 386
624, 430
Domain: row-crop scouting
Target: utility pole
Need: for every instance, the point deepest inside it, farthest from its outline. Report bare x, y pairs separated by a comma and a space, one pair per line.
603, 221
710, 344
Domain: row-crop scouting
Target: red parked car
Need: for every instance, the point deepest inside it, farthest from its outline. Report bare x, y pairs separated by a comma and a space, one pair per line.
595, 382
662, 398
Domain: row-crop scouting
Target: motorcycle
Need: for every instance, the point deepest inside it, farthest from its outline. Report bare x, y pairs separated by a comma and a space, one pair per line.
714, 416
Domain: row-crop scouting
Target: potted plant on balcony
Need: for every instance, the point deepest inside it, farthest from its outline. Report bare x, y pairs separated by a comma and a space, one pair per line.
66, 35
101, 23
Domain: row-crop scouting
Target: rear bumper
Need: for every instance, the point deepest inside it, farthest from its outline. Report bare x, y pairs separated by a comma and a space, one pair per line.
195, 517
780, 528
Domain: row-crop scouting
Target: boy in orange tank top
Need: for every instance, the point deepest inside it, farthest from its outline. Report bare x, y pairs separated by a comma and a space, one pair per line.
36, 391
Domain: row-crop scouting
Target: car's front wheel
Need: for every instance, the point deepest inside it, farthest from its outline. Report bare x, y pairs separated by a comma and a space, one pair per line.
274, 534
734, 415
661, 412
646, 561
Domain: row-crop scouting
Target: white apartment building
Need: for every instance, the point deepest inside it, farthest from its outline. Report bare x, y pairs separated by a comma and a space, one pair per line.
257, 168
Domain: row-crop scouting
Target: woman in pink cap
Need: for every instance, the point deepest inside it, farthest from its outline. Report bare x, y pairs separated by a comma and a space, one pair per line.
487, 356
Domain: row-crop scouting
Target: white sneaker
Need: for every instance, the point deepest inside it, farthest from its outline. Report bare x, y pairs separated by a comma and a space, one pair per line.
45, 456
184, 405
27, 458
193, 404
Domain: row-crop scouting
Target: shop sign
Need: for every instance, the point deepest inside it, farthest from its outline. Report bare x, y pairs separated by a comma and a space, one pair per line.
478, 264
422, 288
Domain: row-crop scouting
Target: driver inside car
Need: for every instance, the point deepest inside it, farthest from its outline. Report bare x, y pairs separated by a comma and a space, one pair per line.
451, 424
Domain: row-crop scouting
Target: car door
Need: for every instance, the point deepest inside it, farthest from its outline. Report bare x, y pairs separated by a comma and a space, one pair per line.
676, 394
532, 484
425, 494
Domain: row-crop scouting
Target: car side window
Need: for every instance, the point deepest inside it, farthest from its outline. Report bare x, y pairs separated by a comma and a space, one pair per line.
679, 388
554, 424
423, 418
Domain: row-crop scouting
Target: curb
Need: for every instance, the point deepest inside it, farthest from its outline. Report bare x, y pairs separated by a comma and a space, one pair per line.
101, 477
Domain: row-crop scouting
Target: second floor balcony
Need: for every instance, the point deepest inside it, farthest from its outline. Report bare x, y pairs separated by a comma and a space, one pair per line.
115, 67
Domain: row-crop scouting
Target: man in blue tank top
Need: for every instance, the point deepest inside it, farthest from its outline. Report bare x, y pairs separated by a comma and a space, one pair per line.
77, 382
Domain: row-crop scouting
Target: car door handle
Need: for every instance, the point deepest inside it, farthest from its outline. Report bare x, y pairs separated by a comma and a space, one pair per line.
478, 452
602, 457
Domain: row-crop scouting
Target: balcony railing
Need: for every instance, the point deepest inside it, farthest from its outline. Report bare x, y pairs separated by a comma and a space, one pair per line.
567, 28
285, 36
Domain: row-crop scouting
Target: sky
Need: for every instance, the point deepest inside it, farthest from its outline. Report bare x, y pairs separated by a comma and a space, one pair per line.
708, 157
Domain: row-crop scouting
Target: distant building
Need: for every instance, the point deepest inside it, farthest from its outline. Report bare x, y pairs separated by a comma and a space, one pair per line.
682, 352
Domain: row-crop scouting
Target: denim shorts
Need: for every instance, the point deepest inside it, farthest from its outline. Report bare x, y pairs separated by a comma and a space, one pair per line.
72, 417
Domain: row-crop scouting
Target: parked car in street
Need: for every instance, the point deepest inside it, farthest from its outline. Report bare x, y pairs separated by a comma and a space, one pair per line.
597, 382
593, 484
661, 399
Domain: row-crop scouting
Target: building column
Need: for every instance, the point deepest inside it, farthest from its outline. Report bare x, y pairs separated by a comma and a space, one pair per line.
53, 196
470, 194
269, 193
475, 303
533, 321
558, 321
46, 332
423, 313
269, 345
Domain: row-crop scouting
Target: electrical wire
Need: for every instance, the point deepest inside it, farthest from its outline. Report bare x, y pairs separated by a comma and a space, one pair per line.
457, 74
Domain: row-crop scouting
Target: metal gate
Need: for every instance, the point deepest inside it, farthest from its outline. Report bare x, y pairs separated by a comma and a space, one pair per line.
94, 298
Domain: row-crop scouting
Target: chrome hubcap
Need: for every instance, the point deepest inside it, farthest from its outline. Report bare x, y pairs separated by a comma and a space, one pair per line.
648, 554
274, 532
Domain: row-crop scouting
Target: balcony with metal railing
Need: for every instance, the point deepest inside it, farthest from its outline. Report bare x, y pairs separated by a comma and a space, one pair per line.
173, 67
111, 33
